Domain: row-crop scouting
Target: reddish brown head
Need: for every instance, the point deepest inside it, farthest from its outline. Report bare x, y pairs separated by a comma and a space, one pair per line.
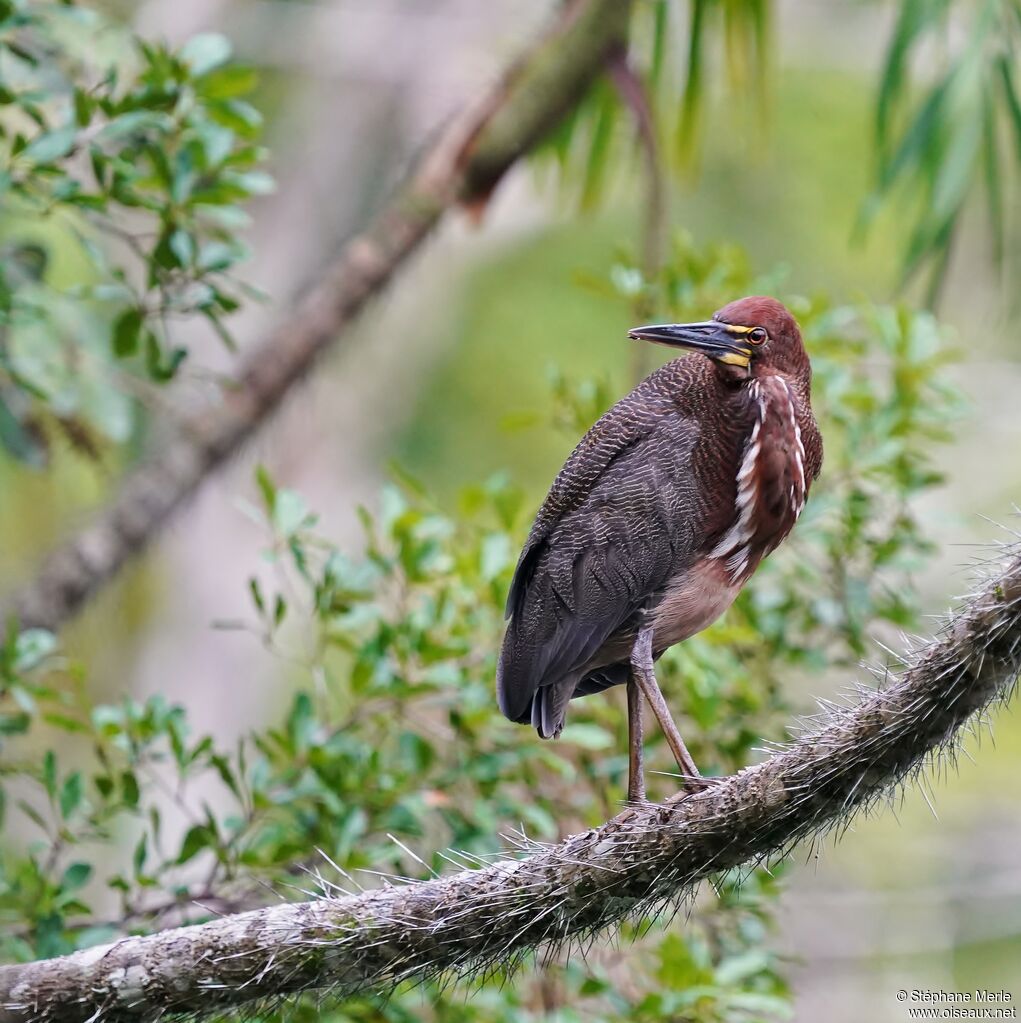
751, 336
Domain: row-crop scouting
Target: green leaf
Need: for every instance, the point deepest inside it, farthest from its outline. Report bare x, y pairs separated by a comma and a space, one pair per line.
133, 123
161, 366
50, 773
660, 34
237, 115
183, 247
71, 793
203, 53
83, 107
914, 17
290, 512
221, 331
252, 182
256, 591
129, 788
215, 256
199, 837
690, 110
76, 875
1011, 99
228, 82
140, 853
740, 968
760, 1005
14, 724
50, 146
127, 329
267, 488
301, 722
223, 768
32, 647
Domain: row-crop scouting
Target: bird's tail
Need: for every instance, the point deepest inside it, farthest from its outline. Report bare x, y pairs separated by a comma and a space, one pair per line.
549, 709
522, 701
513, 693
546, 711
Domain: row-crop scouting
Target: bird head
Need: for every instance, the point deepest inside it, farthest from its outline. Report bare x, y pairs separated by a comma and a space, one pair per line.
751, 335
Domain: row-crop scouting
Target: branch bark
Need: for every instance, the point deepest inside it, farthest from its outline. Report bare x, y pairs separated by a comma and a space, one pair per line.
646, 857
463, 166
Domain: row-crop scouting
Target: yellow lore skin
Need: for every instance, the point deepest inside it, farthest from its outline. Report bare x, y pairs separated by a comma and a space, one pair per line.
740, 358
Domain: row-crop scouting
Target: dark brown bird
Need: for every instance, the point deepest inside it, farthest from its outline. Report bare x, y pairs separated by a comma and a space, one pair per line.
659, 517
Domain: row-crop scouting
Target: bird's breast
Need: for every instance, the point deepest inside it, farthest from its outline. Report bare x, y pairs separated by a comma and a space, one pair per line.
692, 601
771, 481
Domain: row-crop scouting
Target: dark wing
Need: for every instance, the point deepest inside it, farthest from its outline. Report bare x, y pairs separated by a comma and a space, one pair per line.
608, 535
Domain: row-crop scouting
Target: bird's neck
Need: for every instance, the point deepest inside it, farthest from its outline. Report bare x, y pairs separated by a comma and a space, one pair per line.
799, 384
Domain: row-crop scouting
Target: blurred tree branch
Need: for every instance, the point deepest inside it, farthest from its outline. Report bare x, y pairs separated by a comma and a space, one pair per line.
647, 857
463, 165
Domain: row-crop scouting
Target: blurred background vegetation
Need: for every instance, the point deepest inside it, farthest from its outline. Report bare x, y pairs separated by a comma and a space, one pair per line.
303, 666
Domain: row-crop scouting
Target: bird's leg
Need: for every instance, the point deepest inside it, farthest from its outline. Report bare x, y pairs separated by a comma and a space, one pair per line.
635, 743
644, 674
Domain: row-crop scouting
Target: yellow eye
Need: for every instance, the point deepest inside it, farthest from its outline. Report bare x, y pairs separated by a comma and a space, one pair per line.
757, 336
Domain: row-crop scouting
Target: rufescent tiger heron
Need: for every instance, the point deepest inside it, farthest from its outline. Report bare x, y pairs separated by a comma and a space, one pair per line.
658, 518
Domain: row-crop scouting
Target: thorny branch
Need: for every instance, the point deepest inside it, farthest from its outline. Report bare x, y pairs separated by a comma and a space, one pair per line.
463, 166
649, 857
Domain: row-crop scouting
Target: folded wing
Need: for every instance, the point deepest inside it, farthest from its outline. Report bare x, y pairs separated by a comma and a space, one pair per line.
609, 535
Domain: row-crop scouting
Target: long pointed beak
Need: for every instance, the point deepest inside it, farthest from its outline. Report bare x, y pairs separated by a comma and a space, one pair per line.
724, 342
